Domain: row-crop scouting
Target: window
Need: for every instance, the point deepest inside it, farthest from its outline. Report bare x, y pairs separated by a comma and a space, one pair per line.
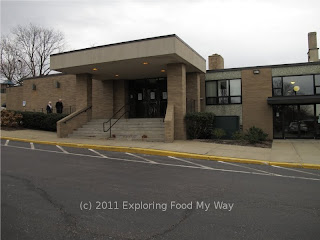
211, 93
3, 90
277, 86
235, 91
296, 85
223, 92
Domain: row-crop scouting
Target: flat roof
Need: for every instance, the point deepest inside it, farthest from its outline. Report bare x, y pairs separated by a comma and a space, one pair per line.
131, 41
125, 59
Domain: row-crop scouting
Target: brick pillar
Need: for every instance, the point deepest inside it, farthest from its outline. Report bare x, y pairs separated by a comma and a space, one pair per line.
119, 96
176, 80
193, 90
256, 88
102, 99
202, 92
83, 91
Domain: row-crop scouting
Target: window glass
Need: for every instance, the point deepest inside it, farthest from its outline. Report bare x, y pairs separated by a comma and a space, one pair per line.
235, 87
317, 80
317, 90
212, 101
277, 92
235, 99
223, 100
223, 88
211, 89
277, 82
298, 85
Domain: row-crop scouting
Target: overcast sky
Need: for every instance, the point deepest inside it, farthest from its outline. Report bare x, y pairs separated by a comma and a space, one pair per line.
244, 32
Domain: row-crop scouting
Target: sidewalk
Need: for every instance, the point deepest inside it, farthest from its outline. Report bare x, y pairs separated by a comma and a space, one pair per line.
283, 151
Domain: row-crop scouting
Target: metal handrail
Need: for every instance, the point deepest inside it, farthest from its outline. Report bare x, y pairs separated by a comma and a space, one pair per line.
109, 121
76, 114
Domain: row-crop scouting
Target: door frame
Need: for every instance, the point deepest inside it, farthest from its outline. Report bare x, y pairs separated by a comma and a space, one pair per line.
151, 108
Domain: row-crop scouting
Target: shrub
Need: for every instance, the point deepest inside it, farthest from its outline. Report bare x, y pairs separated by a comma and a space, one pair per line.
219, 133
199, 124
255, 135
41, 121
238, 135
10, 118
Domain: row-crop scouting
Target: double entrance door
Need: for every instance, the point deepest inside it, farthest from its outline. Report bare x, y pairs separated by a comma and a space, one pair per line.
148, 98
296, 121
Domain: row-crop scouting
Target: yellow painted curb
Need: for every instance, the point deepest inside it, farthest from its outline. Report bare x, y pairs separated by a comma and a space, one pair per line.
286, 164
168, 153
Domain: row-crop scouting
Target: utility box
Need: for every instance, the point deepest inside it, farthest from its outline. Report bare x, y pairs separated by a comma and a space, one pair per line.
229, 124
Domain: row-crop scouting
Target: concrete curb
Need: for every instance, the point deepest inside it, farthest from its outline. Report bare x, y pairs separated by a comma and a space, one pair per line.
169, 153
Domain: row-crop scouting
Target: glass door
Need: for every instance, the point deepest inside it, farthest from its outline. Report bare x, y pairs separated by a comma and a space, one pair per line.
296, 121
278, 117
148, 98
306, 123
291, 121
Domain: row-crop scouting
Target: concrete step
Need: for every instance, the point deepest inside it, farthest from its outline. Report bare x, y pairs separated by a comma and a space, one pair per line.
120, 129
122, 125
120, 134
131, 129
129, 120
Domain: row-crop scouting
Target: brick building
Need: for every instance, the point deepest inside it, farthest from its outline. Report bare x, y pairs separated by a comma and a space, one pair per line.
151, 83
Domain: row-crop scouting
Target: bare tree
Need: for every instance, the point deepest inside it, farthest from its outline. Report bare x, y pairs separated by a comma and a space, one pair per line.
26, 52
12, 68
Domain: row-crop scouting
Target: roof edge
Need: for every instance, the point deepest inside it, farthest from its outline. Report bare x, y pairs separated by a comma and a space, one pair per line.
189, 47
120, 43
264, 66
47, 76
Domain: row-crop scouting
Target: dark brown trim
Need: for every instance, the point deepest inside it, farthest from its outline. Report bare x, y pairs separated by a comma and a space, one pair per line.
294, 100
266, 66
47, 76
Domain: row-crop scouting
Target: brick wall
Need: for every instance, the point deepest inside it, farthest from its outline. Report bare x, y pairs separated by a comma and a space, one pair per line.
3, 94
256, 88
83, 92
102, 99
119, 96
46, 90
15, 98
193, 90
202, 92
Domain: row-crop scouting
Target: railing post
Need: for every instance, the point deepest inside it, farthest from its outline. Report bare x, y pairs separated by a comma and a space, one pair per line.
110, 128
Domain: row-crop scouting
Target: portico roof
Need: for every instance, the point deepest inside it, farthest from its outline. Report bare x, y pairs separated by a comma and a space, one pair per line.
137, 59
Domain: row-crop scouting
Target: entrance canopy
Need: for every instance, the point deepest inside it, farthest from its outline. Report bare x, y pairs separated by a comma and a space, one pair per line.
293, 100
137, 59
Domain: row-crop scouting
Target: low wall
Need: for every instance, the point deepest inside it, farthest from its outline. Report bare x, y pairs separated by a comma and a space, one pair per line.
73, 121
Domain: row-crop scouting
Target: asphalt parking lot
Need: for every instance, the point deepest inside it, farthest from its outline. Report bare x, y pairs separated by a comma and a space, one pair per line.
54, 192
